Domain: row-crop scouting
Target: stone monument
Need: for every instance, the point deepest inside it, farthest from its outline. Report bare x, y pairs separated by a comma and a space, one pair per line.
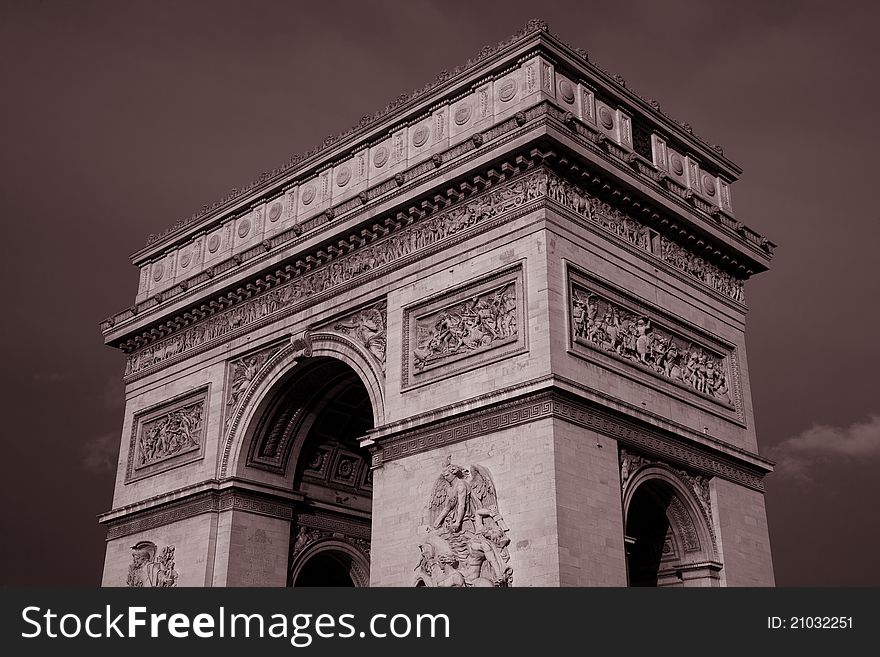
491, 336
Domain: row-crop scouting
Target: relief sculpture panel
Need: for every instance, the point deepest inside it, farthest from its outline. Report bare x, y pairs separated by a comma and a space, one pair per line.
619, 329
464, 328
151, 568
168, 435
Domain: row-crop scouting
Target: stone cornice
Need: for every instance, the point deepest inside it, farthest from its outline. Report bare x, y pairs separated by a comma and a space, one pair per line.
435, 201
535, 36
553, 402
197, 500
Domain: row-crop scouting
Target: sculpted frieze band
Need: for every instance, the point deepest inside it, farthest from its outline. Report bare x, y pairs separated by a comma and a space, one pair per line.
496, 201
625, 227
609, 326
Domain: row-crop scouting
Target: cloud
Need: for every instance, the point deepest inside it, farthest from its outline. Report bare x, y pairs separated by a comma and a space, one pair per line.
99, 454
821, 444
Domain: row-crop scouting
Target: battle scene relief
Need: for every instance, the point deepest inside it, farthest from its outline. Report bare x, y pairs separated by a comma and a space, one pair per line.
610, 327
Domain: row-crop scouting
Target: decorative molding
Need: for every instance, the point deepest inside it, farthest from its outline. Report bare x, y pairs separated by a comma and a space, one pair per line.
350, 528
479, 322
552, 404
465, 541
272, 296
697, 484
609, 326
629, 229
167, 435
213, 501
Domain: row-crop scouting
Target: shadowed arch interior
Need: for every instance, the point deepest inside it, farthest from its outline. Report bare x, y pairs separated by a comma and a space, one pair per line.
665, 547
310, 433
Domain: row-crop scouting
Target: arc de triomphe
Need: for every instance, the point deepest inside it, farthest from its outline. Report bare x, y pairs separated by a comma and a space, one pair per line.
491, 336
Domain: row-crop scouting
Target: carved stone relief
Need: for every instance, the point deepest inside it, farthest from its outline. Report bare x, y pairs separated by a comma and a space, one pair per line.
368, 327
240, 373
465, 541
625, 227
611, 327
167, 435
466, 327
462, 325
151, 568
359, 260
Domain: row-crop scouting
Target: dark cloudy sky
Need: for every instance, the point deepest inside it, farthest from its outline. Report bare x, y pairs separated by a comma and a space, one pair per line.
120, 118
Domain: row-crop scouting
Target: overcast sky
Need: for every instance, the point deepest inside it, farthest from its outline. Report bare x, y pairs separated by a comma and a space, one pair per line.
120, 118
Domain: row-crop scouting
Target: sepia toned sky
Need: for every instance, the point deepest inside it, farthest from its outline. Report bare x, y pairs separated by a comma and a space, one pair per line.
120, 118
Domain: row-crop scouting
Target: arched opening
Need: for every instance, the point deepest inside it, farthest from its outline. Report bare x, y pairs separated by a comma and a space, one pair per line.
667, 542
325, 569
310, 432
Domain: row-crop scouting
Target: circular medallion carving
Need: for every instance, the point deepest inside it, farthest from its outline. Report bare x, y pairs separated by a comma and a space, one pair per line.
462, 114
507, 90
676, 164
308, 194
316, 461
214, 243
606, 118
420, 136
380, 157
346, 467
185, 259
244, 227
709, 184
275, 211
566, 91
158, 271
343, 176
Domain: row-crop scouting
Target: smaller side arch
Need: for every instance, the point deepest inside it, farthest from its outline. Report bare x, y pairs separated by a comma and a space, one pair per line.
668, 531
348, 558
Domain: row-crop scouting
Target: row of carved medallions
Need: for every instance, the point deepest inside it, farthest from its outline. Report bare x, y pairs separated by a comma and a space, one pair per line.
640, 339
486, 52
360, 260
631, 463
464, 542
150, 567
356, 262
463, 325
167, 435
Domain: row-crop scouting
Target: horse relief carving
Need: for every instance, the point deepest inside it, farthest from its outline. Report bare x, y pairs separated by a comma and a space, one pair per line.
610, 327
466, 327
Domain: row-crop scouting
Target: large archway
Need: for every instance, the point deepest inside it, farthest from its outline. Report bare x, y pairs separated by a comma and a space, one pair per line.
668, 541
308, 433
